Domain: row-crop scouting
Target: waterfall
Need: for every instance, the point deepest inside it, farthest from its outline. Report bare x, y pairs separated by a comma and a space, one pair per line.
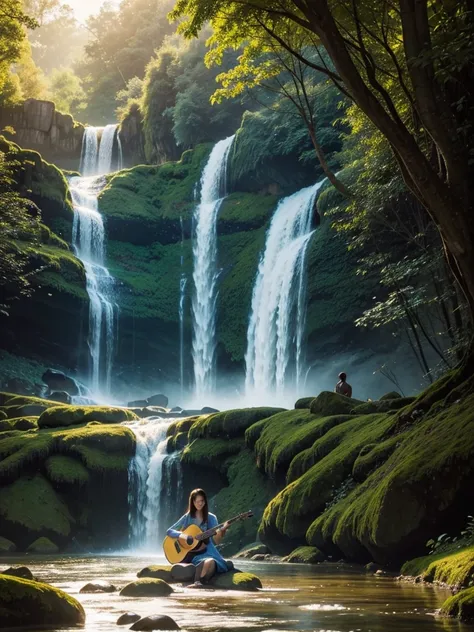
89, 152
120, 153
182, 296
88, 238
106, 148
275, 332
145, 484
213, 191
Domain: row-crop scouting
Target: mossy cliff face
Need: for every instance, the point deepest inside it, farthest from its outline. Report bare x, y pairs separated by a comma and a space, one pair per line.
48, 325
56, 480
365, 487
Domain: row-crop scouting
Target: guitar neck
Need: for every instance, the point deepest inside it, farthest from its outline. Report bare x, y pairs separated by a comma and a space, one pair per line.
210, 532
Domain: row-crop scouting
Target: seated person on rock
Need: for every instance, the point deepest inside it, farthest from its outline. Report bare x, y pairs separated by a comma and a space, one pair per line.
342, 387
207, 560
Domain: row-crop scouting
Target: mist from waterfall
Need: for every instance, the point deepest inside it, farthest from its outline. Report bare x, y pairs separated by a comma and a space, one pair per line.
275, 351
213, 191
89, 246
146, 495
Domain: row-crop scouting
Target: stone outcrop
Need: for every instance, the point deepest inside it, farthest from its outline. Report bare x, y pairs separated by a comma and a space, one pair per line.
39, 126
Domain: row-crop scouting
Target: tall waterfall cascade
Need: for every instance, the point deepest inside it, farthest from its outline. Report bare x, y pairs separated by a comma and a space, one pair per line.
275, 354
154, 481
205, 273
89, 245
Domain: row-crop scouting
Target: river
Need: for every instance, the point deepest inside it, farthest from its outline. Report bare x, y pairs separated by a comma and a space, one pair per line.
323, 598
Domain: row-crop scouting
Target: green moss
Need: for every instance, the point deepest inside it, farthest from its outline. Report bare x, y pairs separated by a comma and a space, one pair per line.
391, 395
147, 587
382, 406
430, 465
32, 503
247, 490
154, 192
211, 452
455, 568
372, 456
287, 434
21, 400
246, 211
24, 603
231, 423
64, 469
236, 580
43, 546
306, 555
328, 403
27, 370
6, 546
181, 426
18, 423
326, 466
65, 415
460, 606
157, 572
304, 402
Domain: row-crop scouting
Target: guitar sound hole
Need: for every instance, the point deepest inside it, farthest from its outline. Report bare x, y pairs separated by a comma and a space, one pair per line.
177, 547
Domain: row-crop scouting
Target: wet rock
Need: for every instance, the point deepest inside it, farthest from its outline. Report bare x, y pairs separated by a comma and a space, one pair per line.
157, 572
305, 555
207, 410
60, 396
25, 603
98, 586
153, 411
58, 381
6, 546
148, 587
236, 580
176, 409
43, 546
156, 622
138, 403
127, 618
183, 572
253, 549
158, 400
18, 571
381, 573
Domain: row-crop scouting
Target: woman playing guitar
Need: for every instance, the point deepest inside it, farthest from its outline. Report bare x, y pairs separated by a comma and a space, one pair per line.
205, 558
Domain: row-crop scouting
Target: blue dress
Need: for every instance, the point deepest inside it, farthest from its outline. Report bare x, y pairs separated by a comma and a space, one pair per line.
211, 551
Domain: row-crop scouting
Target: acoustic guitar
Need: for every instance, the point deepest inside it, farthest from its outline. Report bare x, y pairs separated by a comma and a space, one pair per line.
177, 551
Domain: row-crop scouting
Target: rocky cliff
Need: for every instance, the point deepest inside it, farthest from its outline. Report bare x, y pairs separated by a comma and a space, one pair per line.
38, 125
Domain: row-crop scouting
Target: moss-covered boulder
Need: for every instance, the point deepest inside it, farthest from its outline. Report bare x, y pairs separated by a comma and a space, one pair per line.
26, 603
147, 587
390, 395
19, 423
157, 571
229, 424
211, 452
6, 546
460, 606
304, 402
382, 406
253, 549
236, 580
32, 504
98, 586
62, 469
328, 403
455, 568
73, 415
305, 555
43, 546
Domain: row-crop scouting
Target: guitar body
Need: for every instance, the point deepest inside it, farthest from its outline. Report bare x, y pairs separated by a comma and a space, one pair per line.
176, 551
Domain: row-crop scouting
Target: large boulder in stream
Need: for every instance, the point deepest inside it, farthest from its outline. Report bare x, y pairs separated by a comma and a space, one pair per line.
156, 622
43, 546
98, 586
236, 580
18, 571
460, 606
28, 603
147, 587
72, 415
58, 381
157, 572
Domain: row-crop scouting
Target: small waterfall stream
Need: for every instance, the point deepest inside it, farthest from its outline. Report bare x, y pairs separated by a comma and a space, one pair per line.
154, 482
274, 356
89, 245
213, 184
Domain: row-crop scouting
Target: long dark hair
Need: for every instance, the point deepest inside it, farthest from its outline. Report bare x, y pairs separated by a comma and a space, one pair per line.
192, 508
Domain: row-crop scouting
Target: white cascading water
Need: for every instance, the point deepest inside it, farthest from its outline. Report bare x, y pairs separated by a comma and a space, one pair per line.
213, 184
105, 149
275, 333
89, 245
145, 477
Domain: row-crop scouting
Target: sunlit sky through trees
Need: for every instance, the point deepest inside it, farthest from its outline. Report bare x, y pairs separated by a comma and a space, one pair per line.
83, 8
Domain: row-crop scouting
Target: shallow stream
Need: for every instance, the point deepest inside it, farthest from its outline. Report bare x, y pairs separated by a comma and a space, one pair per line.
323, 598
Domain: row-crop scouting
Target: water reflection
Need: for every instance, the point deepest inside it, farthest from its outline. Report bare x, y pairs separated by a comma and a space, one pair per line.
317, 599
